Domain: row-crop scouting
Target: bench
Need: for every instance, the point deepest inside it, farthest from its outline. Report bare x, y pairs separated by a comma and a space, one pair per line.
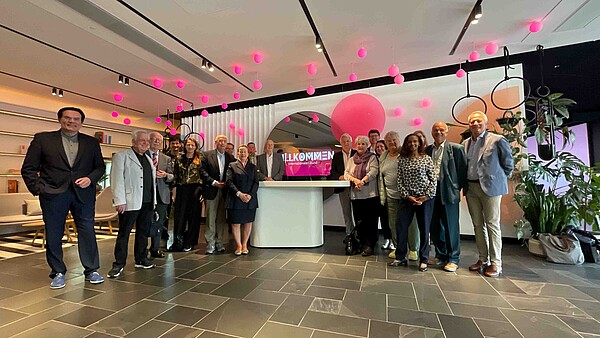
12, 210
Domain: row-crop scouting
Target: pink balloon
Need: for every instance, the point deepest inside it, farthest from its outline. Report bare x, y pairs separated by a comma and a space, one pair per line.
127, 121
310, 90
179, 107
474, 56
224, 105
352, 77
114, 114
398, 111
362, 52
180, 84
417, 121
158, 119
173, 131
231, 125
257, 85
201, 134
236, 95
118, 97
460, 73
157, 83
312, 69
258, 58
399, 79
241, 131
356, 115
169, 123
204, 98
315, 117
287, 119
393, 70
238, 70
204, 113
536, 26
425, 103
491, 48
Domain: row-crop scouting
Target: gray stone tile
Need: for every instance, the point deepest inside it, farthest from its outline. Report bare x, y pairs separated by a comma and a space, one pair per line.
183, 315
408, 303
303, 266
476, 311
376, 270
544, 304
182, 332
173, 291
323, 334
218, 278
26, 323
337, 283
430, 298
151, 329
199, 300
293, 309
476, 299
326, 305
355, 262
101, 335
410, 317
364, 305
6, 293
459, 327
272, 285
55, 329
78, 295
311, 258
404, 275
205, 287
407, 331
593, 292
117, 299
161, 281
383, 329
532, 324
239, 287
234, 271
276, 263
333, 259
41, 305
475, 285
504, 285
188, 264
491, 328
325, 292
583, 325
9, 316
130, 318
267, 297
552, 290
591, 308
238, 317
273, 274
404, 289
336, 323
342, 272
202, 270
208, 334
21, 284
25, 299
85, 316
300, 282
281, 330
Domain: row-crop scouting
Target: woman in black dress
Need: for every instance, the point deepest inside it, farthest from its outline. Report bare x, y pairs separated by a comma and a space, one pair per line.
242, 201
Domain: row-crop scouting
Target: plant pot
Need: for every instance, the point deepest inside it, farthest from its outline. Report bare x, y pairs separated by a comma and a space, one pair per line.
536, 248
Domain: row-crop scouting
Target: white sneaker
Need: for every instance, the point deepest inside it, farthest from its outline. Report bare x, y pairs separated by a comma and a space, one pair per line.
386, 244
392, 246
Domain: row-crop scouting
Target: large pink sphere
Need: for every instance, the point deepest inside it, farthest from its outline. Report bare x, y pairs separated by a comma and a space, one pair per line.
258, 58
158, 119
180, 84
118, 97
224, 105
474, 56
204, 98
310, 90
237, 70
393, 70
179, 107
257, 85
240, 131
204, 113
236, 95
398, 111
362, 52
536, 26
169, 123
460, 73
287, 119
425, 103
157, 83
173, 131
356, 115
417, 121
127, 121
491, 48
352, 77
399, 79
312, 69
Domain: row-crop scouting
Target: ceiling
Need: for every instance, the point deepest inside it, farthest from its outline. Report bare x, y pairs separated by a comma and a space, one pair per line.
82, 45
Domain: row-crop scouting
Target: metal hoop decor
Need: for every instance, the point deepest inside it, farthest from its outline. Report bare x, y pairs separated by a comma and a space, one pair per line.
468, 96
508, 78
200, 139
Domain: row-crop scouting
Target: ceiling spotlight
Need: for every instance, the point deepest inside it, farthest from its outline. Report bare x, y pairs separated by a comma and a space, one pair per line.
478, 12
310, 120
54, 91
60, 93
474, 21
203, 64
120, 78
318, 43
211, 67
127, 81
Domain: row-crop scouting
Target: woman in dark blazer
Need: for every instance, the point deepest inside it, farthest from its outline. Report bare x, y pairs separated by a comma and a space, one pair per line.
242, 201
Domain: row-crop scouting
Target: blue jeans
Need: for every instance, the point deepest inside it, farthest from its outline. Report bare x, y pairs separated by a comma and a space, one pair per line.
406, 212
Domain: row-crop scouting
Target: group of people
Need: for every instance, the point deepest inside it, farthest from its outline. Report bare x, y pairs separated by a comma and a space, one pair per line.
414, 189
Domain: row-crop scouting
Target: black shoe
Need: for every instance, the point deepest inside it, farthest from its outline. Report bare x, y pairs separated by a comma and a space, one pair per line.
187, 249
157, 254
174, 248
115, 272
145, 264
403, 262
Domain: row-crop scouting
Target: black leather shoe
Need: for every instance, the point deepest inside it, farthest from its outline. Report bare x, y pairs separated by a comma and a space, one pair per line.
403, 262
157, 254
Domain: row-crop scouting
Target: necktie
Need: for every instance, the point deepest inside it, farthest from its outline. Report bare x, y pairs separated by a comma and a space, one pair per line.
155, 160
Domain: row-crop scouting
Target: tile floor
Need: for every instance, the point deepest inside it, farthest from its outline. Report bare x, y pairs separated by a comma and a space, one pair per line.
314, 293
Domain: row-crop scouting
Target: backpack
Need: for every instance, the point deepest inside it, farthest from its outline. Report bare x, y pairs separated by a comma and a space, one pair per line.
352, 243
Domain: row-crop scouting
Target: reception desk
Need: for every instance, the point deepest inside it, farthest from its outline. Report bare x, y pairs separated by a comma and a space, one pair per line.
290, 214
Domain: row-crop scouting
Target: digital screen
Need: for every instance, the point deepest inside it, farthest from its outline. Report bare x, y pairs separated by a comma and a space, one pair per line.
308, 162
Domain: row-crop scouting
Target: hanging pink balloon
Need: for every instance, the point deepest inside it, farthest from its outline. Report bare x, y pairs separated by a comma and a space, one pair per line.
312, 69
169, 123
232, 126
204, 98
236, 95
201, 134
204, 113
127, 121
362, 52
238, 70
536, 26
310, 90
179, 107
460, 73
157, 83
417, 121
240, 131
425, 103
393, 70
257, 85
258, 58
118, 97
224, 105
491, 48
315, 117
399, 79
173, 131
158, 119
180, 84
352, 77
474, 56
398, 111
287, 119
114, 114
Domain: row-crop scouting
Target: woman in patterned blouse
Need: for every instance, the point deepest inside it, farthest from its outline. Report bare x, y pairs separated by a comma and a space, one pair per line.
416, 184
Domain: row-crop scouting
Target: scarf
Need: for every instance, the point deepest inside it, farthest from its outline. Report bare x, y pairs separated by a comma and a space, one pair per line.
361, 162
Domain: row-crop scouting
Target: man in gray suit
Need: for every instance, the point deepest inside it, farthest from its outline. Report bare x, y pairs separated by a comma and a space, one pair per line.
450, 165
270, 167
489, 163
164, 175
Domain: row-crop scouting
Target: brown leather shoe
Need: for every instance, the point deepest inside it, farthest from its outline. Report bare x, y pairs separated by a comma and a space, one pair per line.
492, 271
477, 266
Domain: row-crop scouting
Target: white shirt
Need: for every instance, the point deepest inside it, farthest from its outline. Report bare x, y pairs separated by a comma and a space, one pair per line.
221, 160
346, 158
269, 164
436, 156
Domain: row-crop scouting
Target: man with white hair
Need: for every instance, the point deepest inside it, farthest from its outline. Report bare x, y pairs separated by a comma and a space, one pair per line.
132, 178
339, 164
270, 167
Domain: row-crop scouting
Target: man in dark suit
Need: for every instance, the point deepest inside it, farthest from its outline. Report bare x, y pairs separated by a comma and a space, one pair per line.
450, 163
270, 167
339, 163
214, 164
63, 167
164, 175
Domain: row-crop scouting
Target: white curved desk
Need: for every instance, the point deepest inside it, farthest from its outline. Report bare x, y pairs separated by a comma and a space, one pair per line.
290, 214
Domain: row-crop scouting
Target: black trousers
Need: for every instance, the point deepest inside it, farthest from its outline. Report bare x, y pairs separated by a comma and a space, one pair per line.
406, 212
445, 230
365, 213
142, 219
188, 210
156, 230
385, 224
55, 209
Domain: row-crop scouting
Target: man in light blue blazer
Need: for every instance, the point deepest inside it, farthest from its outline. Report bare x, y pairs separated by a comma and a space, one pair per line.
450, 165
489, 164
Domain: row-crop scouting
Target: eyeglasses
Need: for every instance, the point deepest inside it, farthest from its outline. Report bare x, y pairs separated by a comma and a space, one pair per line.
154, 139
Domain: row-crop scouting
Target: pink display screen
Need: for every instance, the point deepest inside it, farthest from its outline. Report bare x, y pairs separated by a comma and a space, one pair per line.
308, 162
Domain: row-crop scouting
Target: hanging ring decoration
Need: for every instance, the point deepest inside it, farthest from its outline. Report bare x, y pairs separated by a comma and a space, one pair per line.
508, 78
468, 96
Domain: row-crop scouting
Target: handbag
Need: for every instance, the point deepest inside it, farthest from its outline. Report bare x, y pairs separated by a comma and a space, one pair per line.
351, 242
563, 249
